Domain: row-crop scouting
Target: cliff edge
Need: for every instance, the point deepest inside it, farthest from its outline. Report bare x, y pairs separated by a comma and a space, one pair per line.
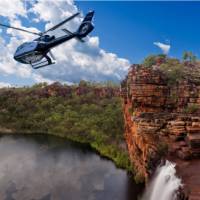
162, 119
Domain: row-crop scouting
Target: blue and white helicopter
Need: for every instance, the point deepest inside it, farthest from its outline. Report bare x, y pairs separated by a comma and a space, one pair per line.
38, 52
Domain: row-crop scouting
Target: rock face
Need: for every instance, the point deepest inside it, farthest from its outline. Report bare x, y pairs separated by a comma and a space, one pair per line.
162, 120
57, 89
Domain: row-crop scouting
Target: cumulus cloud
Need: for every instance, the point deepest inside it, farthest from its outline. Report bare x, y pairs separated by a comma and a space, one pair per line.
164, 47
12, 8
38, 78
75, 61
3, 85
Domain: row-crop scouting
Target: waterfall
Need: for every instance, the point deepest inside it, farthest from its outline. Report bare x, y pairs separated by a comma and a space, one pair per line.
164, 185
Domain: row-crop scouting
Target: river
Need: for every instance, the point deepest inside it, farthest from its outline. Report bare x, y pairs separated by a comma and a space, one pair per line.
50, 168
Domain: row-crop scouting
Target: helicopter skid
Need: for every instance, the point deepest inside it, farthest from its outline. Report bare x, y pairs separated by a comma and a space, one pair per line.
41, 64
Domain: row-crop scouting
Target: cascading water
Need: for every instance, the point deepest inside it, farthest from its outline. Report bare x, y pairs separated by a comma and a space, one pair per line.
164, 185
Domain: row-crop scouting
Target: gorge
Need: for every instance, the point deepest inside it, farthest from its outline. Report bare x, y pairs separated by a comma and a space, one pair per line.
157, 108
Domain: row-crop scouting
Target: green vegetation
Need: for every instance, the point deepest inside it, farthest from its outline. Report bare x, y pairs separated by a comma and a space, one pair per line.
149, 61
130, 110
153, 60
189, 56
139, 178
191, 109
162, 149
174, 70
86, 118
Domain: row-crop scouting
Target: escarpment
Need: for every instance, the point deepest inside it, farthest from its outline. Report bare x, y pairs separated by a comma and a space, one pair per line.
162, 120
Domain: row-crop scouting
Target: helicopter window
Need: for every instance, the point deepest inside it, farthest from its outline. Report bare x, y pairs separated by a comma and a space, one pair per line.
23, 45
28, 46
20, 47
45, 38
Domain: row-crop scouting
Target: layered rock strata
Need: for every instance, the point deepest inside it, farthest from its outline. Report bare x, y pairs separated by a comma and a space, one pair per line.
162, 121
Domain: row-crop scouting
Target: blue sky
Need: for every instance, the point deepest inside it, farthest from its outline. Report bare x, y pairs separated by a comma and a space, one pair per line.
125, 33
130, 28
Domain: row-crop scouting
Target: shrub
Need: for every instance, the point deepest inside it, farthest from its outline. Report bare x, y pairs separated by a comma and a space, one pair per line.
191, 109
174, 71
139, 178
149, 61
130, 110
162, 149
153, 60
189, 56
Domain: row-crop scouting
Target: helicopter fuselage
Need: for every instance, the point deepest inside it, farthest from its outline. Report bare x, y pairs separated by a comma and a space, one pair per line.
38, 53
32, 52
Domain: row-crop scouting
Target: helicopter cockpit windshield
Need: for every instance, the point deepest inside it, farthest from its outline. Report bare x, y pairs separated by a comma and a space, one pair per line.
26, 47
21, 46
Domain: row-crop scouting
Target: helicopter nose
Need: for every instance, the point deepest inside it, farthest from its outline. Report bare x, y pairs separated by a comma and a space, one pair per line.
14, 55
15, 58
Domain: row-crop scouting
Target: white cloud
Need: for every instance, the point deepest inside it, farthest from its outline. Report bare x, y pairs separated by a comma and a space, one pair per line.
93, 41
24, 71
75, 60
38, 78
164, 47
3, 85
12, 8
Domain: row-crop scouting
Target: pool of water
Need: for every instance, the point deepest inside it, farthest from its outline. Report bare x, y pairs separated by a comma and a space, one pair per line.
50, 168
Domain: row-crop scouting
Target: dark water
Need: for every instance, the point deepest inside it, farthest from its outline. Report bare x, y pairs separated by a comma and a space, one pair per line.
48, 168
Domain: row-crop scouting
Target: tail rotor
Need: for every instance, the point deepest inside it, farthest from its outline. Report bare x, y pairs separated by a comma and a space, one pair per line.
86, 26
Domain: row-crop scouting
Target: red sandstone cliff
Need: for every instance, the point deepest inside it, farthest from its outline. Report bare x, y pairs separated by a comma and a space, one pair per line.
57, 89
163, 121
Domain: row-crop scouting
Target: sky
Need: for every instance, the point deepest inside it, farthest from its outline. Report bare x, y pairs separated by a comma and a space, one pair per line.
125, 33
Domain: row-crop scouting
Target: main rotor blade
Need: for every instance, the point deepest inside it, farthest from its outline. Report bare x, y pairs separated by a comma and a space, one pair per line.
19, 29
60, 24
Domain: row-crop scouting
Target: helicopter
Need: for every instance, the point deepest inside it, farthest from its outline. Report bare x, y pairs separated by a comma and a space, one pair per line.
38, 53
